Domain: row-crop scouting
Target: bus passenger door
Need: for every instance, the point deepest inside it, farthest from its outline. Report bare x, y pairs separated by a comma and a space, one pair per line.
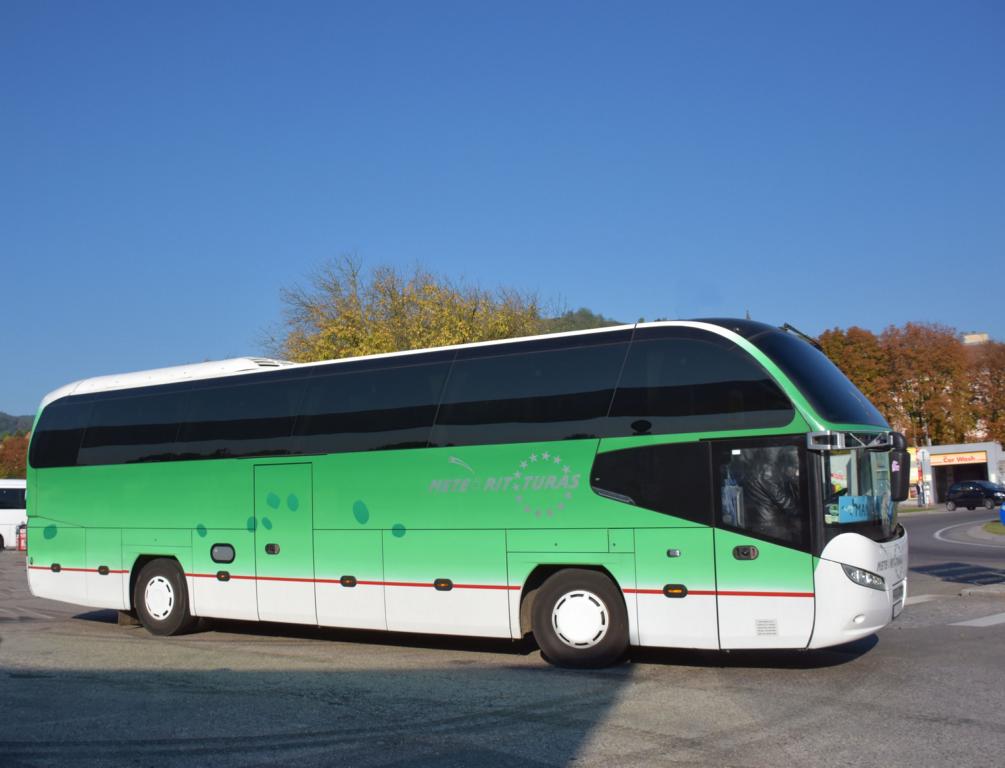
764, 571
676, 594
284, 543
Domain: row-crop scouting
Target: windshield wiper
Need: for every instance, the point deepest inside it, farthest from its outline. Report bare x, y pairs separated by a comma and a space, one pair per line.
803, 336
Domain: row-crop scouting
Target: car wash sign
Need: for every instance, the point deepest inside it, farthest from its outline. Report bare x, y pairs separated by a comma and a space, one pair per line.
949, 459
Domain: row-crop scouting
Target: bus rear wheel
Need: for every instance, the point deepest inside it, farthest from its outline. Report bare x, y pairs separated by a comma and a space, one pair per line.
160, 598
580, 620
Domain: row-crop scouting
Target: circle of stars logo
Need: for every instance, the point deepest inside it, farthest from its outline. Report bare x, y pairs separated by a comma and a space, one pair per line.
541, 485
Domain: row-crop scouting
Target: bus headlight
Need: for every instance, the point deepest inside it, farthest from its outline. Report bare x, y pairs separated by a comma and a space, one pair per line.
863, 577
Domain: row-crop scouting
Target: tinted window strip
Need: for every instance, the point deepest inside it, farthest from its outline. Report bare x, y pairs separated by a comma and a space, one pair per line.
621, 371
439, 400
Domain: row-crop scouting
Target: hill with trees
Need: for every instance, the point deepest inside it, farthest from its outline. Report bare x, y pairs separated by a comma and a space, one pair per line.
13, 424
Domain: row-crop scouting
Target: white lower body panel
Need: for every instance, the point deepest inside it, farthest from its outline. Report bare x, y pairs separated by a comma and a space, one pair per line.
108, 591
358, 607
80, 587
287, 601
461, 611
687, 622
756, 621
233, 599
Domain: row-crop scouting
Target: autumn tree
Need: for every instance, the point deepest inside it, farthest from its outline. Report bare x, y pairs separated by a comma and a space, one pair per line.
346, 311
862, 357
14, 455
928, 379
576, 320
987, 367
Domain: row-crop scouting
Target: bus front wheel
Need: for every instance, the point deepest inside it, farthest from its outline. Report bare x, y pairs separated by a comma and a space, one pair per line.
580, 620
161, 599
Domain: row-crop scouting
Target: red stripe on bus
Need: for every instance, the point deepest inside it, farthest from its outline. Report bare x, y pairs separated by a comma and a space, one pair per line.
765, 594
724, 593
70, 570
428, 584
358, 583
301, 580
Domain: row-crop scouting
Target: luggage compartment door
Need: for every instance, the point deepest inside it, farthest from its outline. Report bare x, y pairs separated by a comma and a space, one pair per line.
284, 543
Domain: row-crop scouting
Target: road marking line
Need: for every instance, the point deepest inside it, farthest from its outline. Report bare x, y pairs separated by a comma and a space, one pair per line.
938, 535
921, 599
32, 613
987, 621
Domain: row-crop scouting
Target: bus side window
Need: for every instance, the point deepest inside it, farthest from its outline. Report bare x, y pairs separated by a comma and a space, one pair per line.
761, 491
686, 380
516, 393
125, 427
673, 479
372, 405
251, 416
59, 432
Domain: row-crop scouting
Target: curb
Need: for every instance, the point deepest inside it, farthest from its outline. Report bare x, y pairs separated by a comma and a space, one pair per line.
979, 533
991, 590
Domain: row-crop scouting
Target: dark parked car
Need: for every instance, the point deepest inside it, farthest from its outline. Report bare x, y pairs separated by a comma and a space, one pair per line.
974, 493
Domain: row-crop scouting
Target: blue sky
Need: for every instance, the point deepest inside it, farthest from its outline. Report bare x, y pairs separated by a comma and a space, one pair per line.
167, 168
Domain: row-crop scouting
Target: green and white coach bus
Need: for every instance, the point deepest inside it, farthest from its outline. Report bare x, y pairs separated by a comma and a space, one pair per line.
712, 484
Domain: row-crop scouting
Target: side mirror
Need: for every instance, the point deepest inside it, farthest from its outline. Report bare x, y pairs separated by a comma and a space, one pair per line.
900, 468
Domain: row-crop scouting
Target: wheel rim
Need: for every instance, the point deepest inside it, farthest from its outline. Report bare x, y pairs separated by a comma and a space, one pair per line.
159, 598
580, 619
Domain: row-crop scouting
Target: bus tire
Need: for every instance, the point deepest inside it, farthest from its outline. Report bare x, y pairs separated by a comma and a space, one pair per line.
160, 598
580, 619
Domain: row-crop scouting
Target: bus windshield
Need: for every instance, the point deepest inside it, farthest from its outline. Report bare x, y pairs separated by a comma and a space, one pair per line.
857, 494
829, 391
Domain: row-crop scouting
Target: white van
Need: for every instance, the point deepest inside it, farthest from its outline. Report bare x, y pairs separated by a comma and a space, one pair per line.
12, 512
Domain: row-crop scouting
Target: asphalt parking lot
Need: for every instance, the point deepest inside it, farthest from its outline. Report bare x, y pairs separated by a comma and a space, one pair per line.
78, 689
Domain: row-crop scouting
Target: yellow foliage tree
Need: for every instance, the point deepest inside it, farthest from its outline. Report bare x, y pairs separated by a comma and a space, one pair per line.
345, 312
13, 455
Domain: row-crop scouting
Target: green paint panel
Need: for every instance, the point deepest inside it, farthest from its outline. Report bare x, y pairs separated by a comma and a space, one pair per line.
692, 566
621, 540
157, 538
50, 542
103, 547
31, 494
349, 553
243, 542
574, 540
465, 557
776, 569
171, 494
130, 554
468, 487
284, 518
620, 566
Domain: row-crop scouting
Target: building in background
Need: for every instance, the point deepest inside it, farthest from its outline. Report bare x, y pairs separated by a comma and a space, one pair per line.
973, 338
943, 465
